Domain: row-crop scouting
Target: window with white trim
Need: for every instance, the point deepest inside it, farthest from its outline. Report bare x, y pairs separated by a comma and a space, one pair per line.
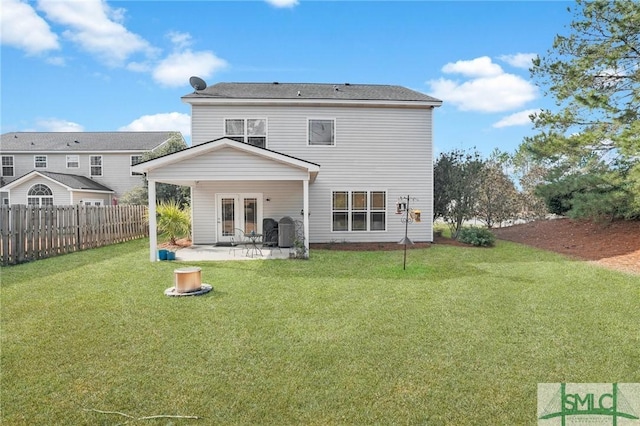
96, 165
135, 159
40, 161
250, 130
73, 161
322, 132
40, 195
7, 165
359, 211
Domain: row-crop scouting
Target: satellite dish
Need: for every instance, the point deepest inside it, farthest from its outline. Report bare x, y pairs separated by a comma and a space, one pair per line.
197, 83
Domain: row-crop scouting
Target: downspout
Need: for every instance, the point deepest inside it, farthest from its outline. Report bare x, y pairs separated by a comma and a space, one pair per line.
153, 227
305, 215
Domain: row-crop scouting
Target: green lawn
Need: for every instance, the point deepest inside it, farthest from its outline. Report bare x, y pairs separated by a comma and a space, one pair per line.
463, 336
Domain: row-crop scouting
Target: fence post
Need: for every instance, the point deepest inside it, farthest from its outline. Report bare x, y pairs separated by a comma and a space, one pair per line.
5, 227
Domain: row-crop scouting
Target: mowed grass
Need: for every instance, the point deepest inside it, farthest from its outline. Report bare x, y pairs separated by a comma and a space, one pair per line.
463, 336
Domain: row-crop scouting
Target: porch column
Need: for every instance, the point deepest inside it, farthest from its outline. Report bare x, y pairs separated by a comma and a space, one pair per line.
153, 227
305, 210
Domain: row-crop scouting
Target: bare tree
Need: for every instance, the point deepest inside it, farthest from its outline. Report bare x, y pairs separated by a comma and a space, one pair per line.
497, 196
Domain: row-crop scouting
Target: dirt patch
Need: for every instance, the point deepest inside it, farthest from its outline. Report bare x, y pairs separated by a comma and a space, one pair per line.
615, 245
180, 243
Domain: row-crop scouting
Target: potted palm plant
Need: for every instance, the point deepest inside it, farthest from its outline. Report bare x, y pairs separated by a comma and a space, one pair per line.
174, 221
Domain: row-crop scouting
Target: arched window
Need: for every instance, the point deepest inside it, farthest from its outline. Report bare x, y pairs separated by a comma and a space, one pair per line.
40, 195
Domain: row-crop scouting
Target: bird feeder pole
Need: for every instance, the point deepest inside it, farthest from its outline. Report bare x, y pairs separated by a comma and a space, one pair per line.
406, 219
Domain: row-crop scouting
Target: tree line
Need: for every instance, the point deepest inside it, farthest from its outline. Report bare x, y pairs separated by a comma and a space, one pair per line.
584, 160
496, 190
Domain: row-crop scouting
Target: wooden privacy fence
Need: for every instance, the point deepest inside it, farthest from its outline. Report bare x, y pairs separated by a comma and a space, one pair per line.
30, 233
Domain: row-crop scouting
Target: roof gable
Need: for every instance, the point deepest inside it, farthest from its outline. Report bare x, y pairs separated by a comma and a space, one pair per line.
72, 182
222, 143
82, 141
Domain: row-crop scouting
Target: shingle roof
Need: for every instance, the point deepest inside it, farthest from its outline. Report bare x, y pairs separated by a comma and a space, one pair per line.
346, 91
82, 141
74, 181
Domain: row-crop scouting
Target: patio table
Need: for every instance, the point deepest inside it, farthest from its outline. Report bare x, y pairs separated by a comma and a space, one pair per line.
254, 239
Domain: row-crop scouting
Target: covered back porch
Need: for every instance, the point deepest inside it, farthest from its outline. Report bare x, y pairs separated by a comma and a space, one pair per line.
234, 188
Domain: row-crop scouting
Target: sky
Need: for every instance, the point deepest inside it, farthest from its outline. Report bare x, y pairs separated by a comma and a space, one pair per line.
95, 65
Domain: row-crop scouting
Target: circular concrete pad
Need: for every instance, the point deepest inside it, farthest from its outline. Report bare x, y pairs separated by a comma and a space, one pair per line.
204, 288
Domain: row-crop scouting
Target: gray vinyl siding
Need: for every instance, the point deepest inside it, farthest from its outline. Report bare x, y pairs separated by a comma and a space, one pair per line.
228, 164
381, 149
61, 194
285, 199
116, 169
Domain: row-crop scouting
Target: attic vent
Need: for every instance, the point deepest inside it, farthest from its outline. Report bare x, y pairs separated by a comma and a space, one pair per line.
76, 141
347, 84
335, 87
299, 93
275, 82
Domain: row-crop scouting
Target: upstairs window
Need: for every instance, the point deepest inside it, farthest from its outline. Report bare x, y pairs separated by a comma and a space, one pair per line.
250, 130
322, 132
73, 161
96, 165
7, 165
40, 161
359, 211
135, 159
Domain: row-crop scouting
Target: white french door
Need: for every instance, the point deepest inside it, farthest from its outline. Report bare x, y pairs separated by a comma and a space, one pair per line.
238, 211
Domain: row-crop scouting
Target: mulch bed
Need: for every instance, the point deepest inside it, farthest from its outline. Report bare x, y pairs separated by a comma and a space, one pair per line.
614, 245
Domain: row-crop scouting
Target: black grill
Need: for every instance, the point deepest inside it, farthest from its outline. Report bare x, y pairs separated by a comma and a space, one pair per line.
270, 232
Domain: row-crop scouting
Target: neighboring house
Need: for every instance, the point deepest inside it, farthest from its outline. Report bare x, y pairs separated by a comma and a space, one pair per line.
337, 158
63, 168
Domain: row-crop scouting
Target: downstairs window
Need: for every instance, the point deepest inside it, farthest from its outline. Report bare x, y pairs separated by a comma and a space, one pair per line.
359, 211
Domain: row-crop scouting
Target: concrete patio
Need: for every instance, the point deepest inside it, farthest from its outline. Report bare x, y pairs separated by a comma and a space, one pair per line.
220, 253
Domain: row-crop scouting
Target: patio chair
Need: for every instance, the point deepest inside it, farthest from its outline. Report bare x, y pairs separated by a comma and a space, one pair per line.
238, 241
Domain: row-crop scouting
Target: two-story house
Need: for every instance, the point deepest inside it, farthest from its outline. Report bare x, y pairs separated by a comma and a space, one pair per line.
65, 168
336, 157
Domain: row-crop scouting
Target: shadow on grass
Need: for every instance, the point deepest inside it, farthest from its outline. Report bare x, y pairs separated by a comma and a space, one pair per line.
64, 263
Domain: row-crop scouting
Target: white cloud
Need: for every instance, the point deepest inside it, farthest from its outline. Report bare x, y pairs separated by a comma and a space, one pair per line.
96, 28
24, 29
478, 67
489, 89
176, 69
171, 121
519, 60
139, 66
58, 125
179, 40
518, 119
283, 3
56, 60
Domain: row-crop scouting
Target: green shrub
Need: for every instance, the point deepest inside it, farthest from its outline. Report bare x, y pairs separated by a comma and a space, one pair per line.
477, 236
173, 220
